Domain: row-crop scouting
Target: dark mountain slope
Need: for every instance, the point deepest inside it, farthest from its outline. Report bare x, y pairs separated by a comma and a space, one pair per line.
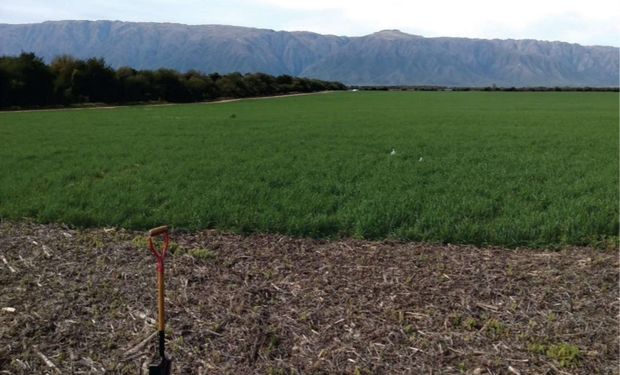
386, 57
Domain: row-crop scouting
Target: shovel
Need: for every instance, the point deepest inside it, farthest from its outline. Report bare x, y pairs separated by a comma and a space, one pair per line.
165, 364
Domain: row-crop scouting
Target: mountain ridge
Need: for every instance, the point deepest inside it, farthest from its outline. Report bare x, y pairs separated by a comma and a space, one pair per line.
386, 57
309, 32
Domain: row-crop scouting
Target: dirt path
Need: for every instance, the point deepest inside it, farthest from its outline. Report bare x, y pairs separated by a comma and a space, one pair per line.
167, 104
81, 301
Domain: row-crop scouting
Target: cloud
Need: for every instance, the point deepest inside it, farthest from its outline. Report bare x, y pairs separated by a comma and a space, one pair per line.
578, 21
569, 27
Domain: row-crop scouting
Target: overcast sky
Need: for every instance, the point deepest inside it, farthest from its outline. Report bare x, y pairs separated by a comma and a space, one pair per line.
589, 22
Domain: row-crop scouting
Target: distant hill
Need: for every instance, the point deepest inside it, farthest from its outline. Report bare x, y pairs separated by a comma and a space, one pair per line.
388, 57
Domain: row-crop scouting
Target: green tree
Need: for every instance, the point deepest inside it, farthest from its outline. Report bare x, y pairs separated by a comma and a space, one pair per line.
170, 87
95, 82
260, 84
199, 86
232, 86
4, 88
30, 81
62, 68
133, 86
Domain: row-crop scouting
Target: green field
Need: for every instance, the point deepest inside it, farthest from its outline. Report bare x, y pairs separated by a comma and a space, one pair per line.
512, 169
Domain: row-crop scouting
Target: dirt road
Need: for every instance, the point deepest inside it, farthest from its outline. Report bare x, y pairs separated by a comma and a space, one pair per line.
165, 104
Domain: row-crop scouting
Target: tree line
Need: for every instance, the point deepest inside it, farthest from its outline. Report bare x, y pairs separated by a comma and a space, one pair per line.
27, 81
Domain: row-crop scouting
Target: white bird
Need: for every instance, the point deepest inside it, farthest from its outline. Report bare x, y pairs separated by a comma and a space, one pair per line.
421, 158
393, 152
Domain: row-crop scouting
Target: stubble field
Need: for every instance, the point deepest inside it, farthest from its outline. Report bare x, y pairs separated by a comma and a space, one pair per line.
84, 301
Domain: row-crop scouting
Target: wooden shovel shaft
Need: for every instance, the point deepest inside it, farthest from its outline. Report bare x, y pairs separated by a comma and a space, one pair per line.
161, 320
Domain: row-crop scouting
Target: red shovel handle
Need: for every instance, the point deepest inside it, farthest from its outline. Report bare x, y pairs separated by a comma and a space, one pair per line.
159, 230
161, 254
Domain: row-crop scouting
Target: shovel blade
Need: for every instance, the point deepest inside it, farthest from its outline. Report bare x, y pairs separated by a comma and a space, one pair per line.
162, 368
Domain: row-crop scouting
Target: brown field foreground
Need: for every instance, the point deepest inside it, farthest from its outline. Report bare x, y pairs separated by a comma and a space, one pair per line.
84, 301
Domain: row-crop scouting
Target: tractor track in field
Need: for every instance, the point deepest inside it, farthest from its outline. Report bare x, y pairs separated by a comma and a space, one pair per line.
218, 101
83, 301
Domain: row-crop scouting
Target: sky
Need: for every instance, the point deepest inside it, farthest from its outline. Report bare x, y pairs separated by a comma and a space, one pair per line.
591, 22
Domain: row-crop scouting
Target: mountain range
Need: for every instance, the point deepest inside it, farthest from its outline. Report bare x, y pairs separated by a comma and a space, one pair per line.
387, 57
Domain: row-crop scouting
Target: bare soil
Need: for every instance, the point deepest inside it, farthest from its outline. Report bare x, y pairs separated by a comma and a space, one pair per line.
83, 301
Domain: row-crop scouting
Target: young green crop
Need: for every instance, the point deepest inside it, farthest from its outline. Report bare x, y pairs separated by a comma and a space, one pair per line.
513, 169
